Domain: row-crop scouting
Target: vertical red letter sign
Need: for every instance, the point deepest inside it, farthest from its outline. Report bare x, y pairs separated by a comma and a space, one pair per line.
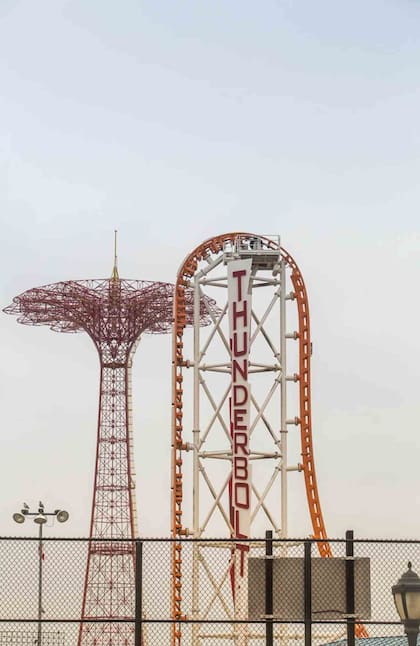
239, 306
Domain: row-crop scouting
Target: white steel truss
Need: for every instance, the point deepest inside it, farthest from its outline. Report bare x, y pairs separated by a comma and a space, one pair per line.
207, 395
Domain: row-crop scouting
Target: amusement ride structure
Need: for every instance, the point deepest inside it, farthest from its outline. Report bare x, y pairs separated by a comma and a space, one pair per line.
239, 387
114, 312
232, 387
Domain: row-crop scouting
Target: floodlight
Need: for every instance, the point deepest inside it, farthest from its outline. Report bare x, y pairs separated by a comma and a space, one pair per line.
19, 518
62, 516
40, 519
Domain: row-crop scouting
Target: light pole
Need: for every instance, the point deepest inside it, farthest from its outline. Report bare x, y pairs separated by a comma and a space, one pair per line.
40, 518
407, 602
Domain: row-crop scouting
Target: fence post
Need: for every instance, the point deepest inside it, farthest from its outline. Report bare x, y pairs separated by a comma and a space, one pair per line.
350, 602
308, 592
138, 626
269, 588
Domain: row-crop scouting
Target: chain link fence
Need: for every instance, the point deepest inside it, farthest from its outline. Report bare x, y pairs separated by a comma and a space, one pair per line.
292, 596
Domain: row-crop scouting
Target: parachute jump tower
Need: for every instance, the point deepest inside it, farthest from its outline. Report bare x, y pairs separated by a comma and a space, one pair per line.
243, 387
114, 312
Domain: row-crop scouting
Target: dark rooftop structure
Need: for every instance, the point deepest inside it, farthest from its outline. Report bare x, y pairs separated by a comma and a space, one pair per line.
375, 641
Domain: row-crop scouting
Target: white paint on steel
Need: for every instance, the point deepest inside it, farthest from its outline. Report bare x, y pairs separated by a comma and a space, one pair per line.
239, 310
283, 405
210, 361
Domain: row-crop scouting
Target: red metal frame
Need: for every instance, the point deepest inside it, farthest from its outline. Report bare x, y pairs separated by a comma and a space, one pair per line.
114, 312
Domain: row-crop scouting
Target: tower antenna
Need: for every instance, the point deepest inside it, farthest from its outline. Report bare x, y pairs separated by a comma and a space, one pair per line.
115, 275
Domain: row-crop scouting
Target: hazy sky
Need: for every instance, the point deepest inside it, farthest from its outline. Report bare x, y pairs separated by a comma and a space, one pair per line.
176, 121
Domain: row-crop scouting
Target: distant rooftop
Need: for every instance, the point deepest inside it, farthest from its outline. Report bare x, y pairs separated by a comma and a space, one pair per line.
376, 641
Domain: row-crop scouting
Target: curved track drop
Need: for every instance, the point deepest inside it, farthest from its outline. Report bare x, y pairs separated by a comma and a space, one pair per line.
230, 264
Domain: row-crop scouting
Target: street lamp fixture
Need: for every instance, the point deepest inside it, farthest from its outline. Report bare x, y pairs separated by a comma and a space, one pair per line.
40, 518
407, 602
19, 518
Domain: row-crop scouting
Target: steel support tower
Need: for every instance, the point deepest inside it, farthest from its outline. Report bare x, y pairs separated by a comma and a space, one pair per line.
240, 387
114, 312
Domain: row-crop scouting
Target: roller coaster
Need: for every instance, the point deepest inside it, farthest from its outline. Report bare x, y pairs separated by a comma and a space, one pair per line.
267, 281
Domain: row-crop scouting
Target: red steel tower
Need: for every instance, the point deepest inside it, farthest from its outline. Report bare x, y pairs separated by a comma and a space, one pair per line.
114, 312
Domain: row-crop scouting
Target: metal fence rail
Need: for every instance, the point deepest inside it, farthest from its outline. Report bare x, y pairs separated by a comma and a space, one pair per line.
294, 597
29, 638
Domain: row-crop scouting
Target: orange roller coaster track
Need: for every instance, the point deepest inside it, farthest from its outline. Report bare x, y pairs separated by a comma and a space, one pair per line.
205, 252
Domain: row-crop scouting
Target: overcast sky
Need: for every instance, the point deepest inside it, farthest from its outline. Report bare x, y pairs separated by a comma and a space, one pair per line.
176, 121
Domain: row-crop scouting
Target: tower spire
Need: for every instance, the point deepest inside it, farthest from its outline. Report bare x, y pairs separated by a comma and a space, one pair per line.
115, 275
